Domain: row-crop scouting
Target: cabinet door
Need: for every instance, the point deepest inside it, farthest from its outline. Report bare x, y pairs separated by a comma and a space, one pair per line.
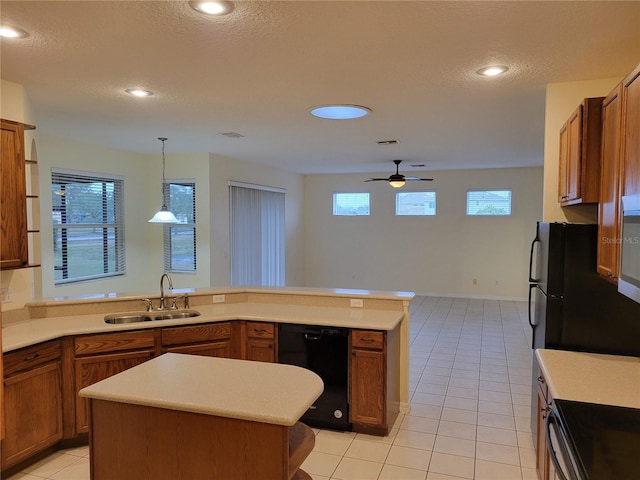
33, 408
261, 350
89, 370
221, 348
631, 141
367, 400
542, 454
13, 197
574, 163
563, 175
609, 208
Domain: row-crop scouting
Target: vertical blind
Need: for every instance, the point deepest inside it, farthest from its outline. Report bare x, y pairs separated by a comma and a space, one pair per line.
180, 238
257, 236
88, 225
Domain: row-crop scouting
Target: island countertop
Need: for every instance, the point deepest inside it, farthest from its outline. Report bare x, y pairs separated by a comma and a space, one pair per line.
591, 377
256, 391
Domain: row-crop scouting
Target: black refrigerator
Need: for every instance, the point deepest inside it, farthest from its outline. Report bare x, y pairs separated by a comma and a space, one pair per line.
570, 306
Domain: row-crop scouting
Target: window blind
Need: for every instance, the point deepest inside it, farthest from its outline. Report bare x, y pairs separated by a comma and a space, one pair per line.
351, 204
88, 225
180, 239
257, 236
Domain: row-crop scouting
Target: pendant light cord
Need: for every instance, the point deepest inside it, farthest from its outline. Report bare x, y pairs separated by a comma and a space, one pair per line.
164, 203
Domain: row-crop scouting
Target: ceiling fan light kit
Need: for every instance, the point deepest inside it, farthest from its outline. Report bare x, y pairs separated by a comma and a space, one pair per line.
397, 180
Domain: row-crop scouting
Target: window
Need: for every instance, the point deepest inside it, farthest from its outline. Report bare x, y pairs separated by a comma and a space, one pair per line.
489, 202
351, 204
257, 235
88, 226
415, 203
180, 238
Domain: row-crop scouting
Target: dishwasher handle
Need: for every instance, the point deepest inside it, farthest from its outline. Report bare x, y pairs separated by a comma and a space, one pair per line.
313, 336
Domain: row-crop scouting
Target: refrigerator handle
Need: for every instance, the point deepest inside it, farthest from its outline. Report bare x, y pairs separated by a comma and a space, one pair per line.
531, 287
533, 245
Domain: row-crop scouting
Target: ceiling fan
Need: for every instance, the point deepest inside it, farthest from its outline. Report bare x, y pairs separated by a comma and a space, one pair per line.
397, 180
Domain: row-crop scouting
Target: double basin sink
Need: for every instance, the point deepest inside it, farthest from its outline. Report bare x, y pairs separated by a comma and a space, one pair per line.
135, 317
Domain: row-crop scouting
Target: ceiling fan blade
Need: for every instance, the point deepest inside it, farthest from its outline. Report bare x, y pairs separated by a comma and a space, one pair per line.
377, 180
420, 179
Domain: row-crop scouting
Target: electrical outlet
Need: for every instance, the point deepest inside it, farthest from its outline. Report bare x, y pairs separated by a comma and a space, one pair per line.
6, 294
357, 302
217, 299
475, 281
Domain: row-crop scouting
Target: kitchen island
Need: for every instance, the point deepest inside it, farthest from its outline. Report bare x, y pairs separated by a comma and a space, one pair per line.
193, 417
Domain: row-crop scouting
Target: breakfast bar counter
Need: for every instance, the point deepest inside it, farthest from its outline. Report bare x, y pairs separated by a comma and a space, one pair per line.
185, 416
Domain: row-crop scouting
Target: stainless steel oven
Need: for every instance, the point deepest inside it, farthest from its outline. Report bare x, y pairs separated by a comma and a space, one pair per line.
629, 280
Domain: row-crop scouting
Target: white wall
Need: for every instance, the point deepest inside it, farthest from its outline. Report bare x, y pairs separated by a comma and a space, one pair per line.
222, 171
561, 100
427, 255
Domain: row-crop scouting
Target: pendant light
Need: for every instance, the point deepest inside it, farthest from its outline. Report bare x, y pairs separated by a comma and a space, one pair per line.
163, 215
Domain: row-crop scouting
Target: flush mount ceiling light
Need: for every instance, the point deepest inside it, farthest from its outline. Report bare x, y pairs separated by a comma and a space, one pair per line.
339, 112
211, 7
492, 70
12, 32
138, 92
163, 215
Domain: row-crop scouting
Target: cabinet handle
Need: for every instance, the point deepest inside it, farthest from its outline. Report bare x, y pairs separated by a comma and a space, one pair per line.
367, 340
28, 358
540, 379
259, 330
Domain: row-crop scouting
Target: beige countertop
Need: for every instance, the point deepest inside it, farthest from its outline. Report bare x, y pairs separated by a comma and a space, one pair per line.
241, 389
591, 377
30, 332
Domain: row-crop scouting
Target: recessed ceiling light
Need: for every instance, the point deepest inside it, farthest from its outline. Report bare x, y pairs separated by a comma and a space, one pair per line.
339, 112
12, 32
493, 70
211, 7
138, 92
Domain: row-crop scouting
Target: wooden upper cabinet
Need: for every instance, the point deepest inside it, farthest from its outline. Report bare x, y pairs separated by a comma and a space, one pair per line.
14, 250
631, 138
609, 208
579, 162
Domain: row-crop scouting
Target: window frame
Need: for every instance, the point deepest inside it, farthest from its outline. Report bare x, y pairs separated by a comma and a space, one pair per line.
334, 211
405, 193
472, 191
170, 228
65, 177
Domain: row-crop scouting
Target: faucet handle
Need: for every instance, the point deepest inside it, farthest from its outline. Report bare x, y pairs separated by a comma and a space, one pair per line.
149, 303
185, 300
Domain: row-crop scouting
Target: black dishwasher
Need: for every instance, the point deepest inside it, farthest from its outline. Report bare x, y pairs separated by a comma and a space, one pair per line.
324, 351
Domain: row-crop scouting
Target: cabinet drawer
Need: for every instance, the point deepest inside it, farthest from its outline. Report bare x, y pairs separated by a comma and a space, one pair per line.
260, 330
29, 357
196, 333
367, 339
113, 342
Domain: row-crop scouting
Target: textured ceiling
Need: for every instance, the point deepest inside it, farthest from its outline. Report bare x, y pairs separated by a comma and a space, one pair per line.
258, 70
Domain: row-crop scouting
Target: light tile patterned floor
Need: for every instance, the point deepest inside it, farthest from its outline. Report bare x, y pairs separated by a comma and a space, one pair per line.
470, 376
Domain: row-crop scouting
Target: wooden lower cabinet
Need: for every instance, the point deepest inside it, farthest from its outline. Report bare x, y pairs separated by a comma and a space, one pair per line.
32, 402
373, 406
92, 369
211, 340
261, 342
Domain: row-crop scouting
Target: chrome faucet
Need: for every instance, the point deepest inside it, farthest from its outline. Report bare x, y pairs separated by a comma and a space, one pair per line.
162, 298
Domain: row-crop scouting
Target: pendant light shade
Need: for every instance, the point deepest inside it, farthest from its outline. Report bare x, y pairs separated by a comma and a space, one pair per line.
163, 215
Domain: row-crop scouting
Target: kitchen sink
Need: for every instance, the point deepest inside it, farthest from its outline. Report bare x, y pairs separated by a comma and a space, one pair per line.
135, 317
